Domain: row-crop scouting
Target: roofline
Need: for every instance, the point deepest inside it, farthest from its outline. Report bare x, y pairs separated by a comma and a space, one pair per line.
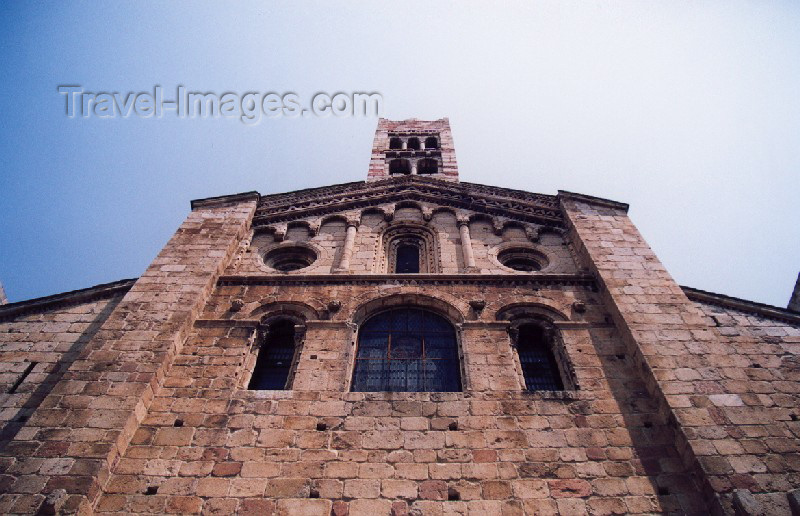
743, 305
247, 195
389, 179
563, 194
225, 199
84, 295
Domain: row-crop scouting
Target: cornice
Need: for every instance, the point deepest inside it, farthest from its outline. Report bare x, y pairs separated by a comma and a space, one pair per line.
535, 281
87, 295
597, 201
743, 305
225, 199
539, 208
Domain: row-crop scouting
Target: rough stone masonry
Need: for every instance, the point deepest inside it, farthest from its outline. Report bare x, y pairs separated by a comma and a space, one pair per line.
142, 396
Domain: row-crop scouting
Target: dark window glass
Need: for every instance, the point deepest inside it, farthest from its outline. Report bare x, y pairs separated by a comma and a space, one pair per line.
407, 259
413, 143
430, 142
289, 265
524, 260
407, 350
395, 143
399, 166
536, 357
427, 166
274, 358
523, 264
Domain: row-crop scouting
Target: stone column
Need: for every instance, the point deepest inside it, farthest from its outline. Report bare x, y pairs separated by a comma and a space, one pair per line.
466, 243
349, 242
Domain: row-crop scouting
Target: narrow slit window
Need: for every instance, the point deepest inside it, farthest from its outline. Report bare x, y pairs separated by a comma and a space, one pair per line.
536, 358
275, 358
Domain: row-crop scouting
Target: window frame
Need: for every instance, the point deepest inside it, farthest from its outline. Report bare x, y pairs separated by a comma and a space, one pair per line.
454, 331
556, 349
395, 236
259, 343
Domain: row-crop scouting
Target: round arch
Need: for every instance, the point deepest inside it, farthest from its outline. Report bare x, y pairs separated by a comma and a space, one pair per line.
515, 311
301, 311
407, 348
434, 304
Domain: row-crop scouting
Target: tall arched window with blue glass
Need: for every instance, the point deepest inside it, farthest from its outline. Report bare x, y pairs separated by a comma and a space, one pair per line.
407, 350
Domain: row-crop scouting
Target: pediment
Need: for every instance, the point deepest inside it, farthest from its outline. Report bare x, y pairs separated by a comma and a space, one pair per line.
499, 202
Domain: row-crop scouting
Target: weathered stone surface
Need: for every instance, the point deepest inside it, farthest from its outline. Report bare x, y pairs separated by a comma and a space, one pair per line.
673, 398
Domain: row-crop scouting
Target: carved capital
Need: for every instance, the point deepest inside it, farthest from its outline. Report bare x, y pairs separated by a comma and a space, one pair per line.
498, 226
353, 219
532, 233
236, 305
477, 305
279, 232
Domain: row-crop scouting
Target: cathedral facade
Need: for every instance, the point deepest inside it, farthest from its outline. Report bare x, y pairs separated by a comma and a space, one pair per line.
409, 344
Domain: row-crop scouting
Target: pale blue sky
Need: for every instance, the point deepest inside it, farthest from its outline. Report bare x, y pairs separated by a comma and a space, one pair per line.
688, 111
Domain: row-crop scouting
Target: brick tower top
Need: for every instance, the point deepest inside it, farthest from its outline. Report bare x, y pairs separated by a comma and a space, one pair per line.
423, 147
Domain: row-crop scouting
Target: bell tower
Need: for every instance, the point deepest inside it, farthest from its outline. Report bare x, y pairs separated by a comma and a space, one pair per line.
413, 147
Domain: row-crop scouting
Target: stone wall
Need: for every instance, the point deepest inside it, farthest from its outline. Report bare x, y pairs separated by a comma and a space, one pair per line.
35, 351
61, 459
207, 444
370, 256
727, 383
750, 384
678, 405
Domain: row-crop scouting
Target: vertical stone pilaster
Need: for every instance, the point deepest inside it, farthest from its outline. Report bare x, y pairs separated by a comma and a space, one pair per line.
89, 417
656, 319
327, 357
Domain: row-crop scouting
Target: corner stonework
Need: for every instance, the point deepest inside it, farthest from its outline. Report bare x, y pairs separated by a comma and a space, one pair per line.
660, 326
120, 370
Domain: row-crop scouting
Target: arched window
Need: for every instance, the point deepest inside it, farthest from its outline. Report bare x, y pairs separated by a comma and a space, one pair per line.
395, 143
399, 166
427, 166
431, 143
409, 249
413, 143
539, 367
407, 350
276, 357
407, 260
